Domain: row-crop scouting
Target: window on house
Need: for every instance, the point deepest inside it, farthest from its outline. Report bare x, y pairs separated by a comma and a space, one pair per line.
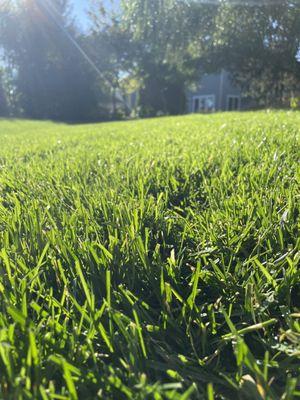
205, 103
233, 103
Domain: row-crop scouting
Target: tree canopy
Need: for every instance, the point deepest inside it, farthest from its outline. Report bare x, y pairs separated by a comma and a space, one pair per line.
260, 47
51, 78
163, 45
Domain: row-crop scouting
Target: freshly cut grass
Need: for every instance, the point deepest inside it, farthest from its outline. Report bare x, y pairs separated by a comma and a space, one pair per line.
151, 259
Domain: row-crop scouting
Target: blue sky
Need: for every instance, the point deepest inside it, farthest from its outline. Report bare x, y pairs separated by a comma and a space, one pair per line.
81, 6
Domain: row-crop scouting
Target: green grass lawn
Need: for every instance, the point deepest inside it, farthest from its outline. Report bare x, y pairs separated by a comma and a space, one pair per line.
153, 259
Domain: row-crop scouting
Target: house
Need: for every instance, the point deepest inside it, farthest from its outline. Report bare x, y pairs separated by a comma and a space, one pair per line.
215, 92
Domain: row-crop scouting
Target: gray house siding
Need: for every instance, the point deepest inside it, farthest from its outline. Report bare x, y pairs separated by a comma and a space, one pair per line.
215, 92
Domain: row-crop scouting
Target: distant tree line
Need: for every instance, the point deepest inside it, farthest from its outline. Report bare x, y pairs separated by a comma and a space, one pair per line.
49, 69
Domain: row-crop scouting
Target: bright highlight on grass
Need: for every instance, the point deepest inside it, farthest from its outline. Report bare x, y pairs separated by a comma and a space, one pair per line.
151, 259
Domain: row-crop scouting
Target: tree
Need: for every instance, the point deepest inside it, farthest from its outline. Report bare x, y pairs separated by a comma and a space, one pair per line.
258, 42
170, 37
259, 45
149, 41
3, 99
155, 28
3, 92
52, 78
110, 49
